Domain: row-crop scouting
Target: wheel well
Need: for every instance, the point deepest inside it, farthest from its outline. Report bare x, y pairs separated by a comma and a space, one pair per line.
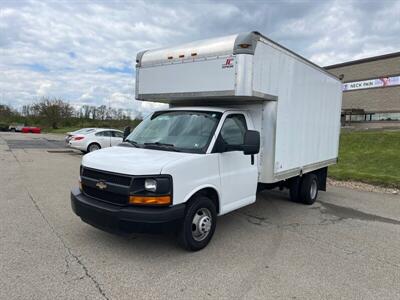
209, 193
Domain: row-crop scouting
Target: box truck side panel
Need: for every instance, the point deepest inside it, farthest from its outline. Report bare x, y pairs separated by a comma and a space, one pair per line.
308, 106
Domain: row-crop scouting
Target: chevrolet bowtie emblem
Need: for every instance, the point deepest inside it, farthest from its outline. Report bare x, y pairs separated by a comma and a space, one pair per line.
101, 185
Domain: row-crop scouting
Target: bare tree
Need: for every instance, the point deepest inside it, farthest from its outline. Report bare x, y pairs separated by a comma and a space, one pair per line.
5, 111
53, 110
102, 112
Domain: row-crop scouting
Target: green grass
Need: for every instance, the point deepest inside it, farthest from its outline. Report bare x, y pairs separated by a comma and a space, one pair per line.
369, 156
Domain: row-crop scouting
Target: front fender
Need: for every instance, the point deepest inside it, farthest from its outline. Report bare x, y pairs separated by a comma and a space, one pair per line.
192, 174
202, 187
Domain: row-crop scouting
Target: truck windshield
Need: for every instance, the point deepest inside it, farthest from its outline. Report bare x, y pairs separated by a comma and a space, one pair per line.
186, 131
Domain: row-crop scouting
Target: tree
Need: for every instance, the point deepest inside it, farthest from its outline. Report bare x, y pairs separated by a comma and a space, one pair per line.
86, 111
26, 110
102, 112
5, 111
53, 110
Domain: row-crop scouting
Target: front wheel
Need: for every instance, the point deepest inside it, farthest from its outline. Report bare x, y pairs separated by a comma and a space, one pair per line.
198, 225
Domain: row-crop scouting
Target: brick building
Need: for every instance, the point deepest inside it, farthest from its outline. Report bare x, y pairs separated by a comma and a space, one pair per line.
371, 88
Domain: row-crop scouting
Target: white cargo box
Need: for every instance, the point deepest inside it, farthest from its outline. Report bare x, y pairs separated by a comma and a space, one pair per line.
214, 68
294, 103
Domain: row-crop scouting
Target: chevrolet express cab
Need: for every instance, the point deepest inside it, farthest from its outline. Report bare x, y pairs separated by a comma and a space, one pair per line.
244, 114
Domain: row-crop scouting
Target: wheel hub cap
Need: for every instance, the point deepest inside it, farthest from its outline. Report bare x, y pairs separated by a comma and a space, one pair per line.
201, 224
205, 225
313, 189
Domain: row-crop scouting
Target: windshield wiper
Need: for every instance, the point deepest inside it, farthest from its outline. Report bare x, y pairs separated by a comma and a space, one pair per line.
166, 145
130, 142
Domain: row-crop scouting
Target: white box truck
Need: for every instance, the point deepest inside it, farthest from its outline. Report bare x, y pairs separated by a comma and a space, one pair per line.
245, 114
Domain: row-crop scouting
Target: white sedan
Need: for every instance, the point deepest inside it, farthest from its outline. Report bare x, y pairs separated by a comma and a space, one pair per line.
69, 135
96, 139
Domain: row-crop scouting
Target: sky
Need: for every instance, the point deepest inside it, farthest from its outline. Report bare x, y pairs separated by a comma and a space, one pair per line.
84, 51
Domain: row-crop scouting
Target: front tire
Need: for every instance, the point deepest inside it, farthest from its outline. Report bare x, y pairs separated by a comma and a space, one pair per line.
198, 225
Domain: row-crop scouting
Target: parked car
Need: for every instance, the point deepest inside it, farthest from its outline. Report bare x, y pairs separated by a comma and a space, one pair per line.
95, 139
30, 129
79, 131
16, 127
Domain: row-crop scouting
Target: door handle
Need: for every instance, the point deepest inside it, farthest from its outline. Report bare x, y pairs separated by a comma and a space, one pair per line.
252, 159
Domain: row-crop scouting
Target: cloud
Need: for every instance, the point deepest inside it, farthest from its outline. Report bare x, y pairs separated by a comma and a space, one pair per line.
44, 88
84, 52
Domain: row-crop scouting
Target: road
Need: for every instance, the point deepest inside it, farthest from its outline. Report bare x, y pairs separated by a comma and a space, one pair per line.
345, 246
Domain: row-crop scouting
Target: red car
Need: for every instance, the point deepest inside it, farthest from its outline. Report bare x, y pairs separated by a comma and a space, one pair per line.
31, 130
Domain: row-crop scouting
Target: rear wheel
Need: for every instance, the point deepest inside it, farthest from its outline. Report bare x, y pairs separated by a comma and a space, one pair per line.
309, 189
93, 147
304, 189
294, 189
198, 225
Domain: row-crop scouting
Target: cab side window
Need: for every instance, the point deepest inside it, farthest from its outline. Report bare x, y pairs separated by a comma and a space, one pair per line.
233, 129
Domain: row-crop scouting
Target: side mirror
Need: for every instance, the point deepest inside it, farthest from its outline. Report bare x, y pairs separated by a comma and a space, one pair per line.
127, 131
251, 143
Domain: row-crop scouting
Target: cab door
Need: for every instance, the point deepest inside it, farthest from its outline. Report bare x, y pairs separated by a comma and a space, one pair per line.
238, 173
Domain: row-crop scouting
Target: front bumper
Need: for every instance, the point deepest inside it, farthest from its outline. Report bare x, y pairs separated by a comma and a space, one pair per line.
129, 219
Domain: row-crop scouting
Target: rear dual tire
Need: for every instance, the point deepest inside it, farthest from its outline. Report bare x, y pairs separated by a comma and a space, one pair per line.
304, 189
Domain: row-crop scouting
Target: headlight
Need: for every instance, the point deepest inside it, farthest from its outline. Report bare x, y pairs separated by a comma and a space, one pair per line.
154, 190
150, 185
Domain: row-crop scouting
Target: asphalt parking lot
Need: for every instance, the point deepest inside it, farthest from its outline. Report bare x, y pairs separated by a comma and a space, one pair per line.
345, 246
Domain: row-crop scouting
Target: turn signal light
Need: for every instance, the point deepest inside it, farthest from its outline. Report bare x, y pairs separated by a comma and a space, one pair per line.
150, 200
